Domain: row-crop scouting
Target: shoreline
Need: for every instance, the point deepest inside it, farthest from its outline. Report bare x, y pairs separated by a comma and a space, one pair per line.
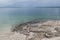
44, 29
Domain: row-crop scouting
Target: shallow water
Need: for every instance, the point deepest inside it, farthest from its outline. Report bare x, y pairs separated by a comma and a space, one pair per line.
12, 16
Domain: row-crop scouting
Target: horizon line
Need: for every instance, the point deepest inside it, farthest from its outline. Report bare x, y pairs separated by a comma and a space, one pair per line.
30, 7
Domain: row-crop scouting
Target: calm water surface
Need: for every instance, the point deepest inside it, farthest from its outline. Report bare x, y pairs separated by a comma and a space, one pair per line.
12, 16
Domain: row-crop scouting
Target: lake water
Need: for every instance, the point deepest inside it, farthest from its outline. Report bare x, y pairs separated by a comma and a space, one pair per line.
12, 16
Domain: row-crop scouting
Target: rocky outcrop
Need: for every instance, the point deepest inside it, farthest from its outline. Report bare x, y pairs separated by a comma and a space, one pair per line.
40, 30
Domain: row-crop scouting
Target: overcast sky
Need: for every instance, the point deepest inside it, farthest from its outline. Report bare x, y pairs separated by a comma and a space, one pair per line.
28, 3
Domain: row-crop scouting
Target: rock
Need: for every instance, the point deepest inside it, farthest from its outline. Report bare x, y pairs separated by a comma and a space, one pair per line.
54, 38
49, 35
57, 29
47, 29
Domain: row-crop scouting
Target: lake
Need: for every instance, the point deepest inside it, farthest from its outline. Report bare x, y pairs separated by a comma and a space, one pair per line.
13, 16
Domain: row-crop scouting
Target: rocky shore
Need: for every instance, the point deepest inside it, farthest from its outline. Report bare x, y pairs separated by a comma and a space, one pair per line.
39, 30
34, 30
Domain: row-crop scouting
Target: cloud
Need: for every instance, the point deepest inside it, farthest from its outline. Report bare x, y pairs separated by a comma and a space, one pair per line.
4, 3
48, 3
28, 3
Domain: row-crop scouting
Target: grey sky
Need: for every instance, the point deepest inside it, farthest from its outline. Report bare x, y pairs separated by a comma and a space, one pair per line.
28, 3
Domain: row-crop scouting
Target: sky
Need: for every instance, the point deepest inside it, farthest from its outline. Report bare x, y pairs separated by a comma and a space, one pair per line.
29, 3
